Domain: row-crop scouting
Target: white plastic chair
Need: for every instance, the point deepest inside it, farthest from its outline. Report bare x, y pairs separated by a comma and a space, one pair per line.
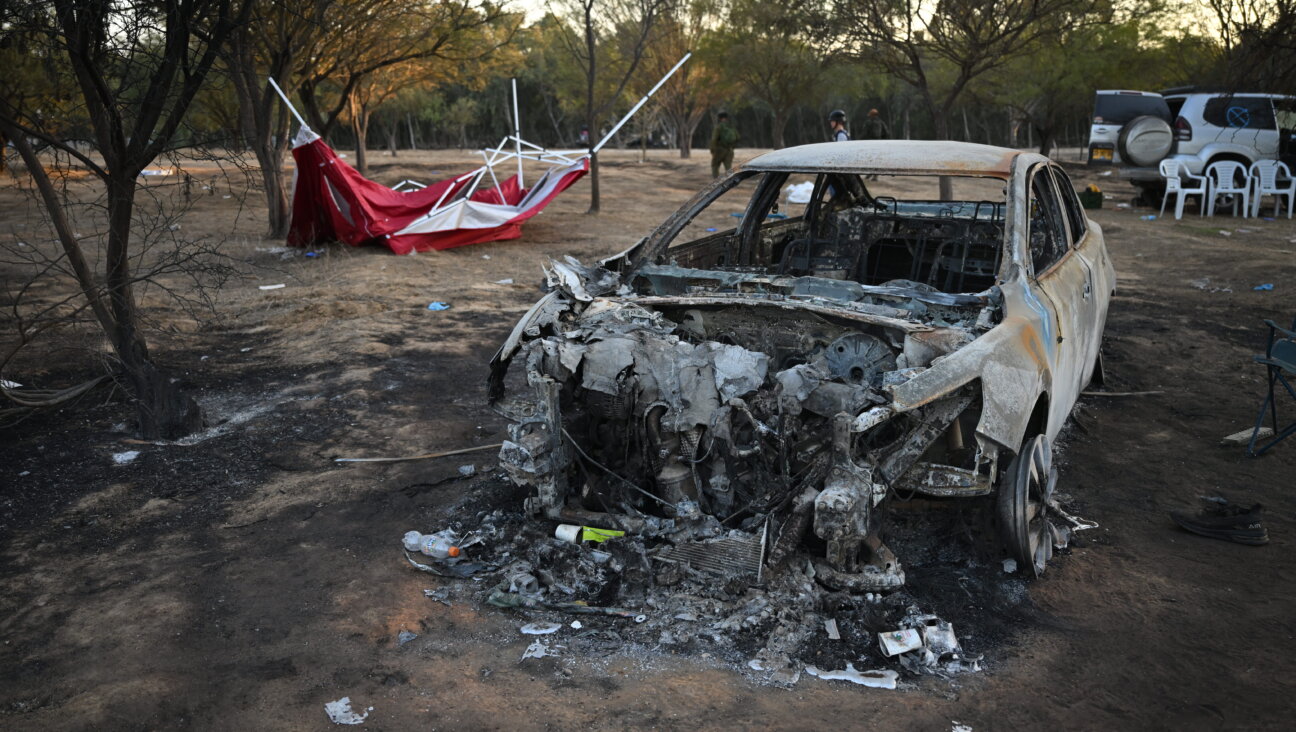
1174, 174
1223, 176
1264, 181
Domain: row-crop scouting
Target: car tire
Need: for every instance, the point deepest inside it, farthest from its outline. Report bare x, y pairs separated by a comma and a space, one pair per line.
1024, 506
1145, 141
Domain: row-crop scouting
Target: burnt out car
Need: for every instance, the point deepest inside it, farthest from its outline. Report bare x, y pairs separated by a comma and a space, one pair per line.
812, 335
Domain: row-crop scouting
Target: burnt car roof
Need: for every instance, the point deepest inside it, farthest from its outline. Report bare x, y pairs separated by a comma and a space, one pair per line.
898, 157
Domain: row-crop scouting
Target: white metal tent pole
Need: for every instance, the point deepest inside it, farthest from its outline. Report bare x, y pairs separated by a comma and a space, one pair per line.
517, 133
284, 97
641, 102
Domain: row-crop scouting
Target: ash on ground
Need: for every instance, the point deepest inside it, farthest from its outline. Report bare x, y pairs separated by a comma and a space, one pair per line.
771, 622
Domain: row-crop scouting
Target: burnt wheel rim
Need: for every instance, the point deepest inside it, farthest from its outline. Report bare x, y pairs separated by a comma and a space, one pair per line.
1027, 520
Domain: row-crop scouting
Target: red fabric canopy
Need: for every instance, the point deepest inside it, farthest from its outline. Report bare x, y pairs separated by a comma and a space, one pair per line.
333, 202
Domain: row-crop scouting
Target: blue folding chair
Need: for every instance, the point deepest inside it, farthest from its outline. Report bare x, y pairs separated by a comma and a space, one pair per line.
1280, 361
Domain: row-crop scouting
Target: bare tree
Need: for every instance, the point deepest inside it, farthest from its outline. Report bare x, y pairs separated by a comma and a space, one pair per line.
687, 25
941, 48
771, 56
387, 33
1258, 39
280, 34
132, 70
607, 66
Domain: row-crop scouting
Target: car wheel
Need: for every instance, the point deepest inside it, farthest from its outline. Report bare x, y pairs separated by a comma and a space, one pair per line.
1145, 141
1025, 496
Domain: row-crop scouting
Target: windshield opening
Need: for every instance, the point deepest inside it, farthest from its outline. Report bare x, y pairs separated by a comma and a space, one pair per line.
880, 230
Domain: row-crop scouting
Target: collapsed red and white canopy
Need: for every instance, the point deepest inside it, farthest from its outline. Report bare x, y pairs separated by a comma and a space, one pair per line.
333, 202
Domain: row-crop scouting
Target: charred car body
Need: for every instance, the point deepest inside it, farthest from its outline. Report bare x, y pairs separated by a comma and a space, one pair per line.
774, 382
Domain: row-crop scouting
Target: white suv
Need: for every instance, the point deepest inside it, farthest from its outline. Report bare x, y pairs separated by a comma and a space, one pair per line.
1241, 127
1130, 128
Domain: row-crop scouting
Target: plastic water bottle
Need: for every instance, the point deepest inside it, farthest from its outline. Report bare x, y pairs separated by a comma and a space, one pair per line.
440, 545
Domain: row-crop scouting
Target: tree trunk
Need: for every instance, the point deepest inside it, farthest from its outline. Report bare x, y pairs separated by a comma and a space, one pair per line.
1046, 141
391, 138
164, 410
594, 184
409, 120
780, 122
265, 128
270, 157
360, 128
685, 134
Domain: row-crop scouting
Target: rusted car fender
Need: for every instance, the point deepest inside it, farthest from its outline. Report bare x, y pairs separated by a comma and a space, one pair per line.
1011, 384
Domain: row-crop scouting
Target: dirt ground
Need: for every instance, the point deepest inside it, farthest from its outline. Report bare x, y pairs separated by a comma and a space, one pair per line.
241, 579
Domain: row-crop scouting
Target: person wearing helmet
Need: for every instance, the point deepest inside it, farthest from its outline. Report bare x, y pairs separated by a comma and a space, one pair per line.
837, 124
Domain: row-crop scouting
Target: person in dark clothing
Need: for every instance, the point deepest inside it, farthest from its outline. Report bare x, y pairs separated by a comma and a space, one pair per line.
724, 138
837, 124
875, 128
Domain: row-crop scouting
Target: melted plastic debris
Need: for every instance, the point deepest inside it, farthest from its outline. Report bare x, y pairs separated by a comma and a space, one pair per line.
540, 649
125, 458
404, 637
340, 712
878, 678
540, 628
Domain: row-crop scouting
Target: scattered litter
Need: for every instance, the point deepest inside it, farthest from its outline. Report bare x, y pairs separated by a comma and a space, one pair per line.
895, 642
960, 727
227, 196
1265, 287
540, 628
153, 171
245, 350
1238, 439
485, 256
1269, 218
1105, 173
340, 712
712, 228
124, 458
1148, 217
540, 649
10, 384
458, 570
272, 287
441, 545
830, 627
404, 637
576, 534
576, 625
467, 471
507, 281
1225, 233
442, 596
1009, 566
1205, 284
438, 306
312, 254
24, 474
878, 679
1244, 231
1123, 205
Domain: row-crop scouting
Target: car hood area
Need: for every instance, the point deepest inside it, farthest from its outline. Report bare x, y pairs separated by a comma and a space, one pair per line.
747, 403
